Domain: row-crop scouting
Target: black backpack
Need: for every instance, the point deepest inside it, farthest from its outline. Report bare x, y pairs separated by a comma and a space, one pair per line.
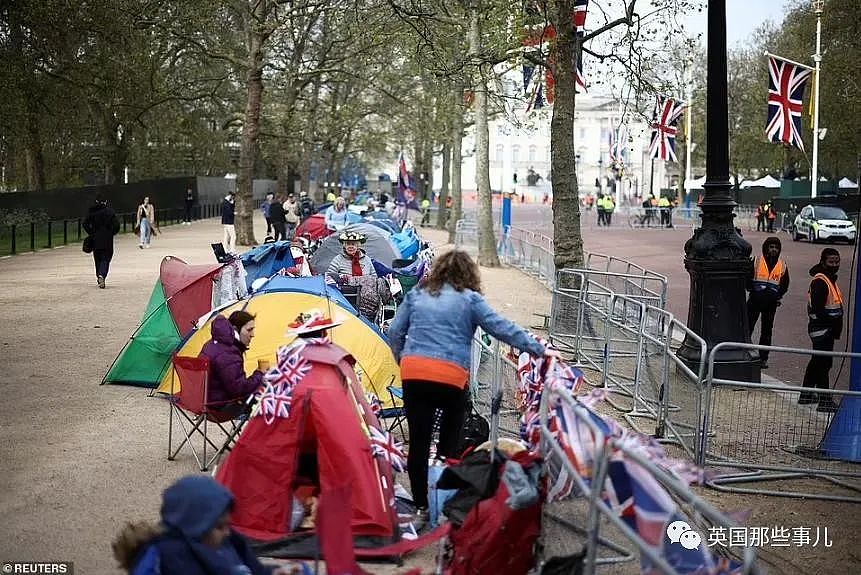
307, 208
476, 431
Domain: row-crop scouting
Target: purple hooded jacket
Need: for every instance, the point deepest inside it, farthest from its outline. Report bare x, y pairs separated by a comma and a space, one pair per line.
227, 379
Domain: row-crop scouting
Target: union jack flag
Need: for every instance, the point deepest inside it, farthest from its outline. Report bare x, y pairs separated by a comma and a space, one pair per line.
291, 368
406, 188
383, 445
667, 113
275, 401
786, 84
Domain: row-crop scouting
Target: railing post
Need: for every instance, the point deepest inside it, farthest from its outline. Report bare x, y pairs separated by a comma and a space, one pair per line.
79, 228
32, 236
50, 235
13, 247
65, 232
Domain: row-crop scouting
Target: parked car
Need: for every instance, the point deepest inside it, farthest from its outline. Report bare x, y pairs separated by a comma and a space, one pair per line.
817, 223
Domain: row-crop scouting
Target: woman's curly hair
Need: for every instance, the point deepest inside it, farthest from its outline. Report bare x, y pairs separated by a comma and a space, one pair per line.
456, 269
131, 540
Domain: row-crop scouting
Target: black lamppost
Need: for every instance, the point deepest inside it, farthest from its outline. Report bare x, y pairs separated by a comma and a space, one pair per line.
717, 257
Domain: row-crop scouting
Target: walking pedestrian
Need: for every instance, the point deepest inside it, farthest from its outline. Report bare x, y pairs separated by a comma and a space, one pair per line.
824, 326
609, 208
771, 215
426, 206
767, 286
431, 336
279, 220
760, 217
291, 214
101, 224
228, 219
600, 204
664, 208
189, 206
145, 223
265, 208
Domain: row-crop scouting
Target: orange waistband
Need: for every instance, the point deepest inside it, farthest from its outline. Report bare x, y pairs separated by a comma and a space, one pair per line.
436, 370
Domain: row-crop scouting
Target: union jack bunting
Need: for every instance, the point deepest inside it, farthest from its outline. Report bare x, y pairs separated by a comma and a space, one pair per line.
291, 368
383, 445
374, 402
274, 401
667, 113
786, 84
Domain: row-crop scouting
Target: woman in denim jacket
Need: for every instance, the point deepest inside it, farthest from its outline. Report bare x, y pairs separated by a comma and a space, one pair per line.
431, 336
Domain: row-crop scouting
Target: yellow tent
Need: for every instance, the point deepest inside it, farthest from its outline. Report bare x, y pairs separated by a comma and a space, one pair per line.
275, 310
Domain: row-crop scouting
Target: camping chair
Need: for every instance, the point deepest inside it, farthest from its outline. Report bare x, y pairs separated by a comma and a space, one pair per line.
396, 414
351, 294
191, 410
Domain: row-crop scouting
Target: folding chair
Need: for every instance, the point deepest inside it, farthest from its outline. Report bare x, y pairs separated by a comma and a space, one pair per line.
396, 413
191, 410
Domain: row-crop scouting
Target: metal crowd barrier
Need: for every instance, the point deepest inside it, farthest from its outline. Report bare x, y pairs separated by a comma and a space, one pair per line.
601, 527
760, 430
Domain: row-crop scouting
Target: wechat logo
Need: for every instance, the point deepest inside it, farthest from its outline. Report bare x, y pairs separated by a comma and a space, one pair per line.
680, 532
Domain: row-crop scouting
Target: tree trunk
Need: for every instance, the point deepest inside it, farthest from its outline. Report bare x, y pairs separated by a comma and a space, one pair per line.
456, 163
35, 155
443, 192
487, 255
250, 131
567, 238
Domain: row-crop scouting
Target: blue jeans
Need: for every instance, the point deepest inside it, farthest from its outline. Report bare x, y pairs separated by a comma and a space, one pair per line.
146, 233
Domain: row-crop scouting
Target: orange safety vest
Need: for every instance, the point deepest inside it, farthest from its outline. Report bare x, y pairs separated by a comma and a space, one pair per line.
834, 303
765, 280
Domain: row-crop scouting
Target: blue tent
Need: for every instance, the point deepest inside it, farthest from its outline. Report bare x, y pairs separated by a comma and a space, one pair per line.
407, 242
265, 260
384, 216
387, 225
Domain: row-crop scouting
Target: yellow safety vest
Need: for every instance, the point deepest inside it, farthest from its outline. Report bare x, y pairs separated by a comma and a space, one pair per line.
765, 279
834, 303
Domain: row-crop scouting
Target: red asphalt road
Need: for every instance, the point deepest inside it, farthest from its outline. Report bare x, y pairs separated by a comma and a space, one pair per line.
662, 251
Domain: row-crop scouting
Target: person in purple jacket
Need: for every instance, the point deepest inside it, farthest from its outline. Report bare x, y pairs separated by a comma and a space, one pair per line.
230, 338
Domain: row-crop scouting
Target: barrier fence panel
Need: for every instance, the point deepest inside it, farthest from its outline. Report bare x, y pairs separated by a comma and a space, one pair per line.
493, 384
681, 421
577, 491
623, 351
762, 433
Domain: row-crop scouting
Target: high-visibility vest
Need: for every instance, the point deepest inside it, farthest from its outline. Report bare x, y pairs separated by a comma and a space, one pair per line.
765, 280
834, 303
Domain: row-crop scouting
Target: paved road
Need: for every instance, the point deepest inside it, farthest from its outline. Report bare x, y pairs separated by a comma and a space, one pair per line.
661, 250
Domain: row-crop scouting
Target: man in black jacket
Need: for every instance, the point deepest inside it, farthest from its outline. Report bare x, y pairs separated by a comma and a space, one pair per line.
278, 219
767, 286
228, 220
824, 326
102, 225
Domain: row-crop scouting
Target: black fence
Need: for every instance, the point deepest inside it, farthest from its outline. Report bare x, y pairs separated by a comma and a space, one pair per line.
34, 236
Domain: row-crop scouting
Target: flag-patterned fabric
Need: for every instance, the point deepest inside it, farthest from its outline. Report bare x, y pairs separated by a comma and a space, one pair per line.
406, 187
786, 84
275, 396
385, 446
663, 144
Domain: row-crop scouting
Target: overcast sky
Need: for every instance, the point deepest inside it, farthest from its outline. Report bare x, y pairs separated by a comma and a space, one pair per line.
742, 18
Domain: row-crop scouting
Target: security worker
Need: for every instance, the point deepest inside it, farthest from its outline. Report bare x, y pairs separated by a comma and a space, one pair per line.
426, 206
767, 286
824, 326
664, 207
609, 207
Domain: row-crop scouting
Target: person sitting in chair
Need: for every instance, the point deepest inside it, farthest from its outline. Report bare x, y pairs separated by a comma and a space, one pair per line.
230, 339
353, 267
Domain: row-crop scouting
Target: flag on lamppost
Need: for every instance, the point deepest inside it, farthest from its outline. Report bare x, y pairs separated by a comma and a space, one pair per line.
664, 130
786, 82
406, 189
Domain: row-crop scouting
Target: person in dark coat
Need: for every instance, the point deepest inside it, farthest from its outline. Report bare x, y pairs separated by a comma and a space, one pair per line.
228, 220
278, 218
767, 286
230, 338
194, 537
824, 326
101, 224
189, 206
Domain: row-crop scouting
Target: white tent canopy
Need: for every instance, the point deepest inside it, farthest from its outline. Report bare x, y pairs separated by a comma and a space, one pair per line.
697, 183
846, 183
765, 182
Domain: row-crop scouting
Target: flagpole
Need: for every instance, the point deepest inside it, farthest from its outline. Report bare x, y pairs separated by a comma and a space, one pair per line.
690, 98
818, 6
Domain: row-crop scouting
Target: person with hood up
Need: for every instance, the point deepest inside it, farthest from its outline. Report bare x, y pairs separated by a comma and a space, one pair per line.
194, 537
336, 215
102, 225
230, 339
228, 220
824, 326
767, 286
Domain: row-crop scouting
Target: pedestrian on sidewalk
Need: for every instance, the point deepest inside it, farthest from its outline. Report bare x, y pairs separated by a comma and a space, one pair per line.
145, 223
189, 206
601, 211
770, 215
824, 326
767, 286
291, 214
760, 217
609, 208
265, 208
228, 219
431, 336
279, 220
194, 535
101, 225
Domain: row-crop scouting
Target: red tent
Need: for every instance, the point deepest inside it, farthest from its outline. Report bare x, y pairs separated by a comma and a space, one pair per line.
314, 227
327, 423
188, 290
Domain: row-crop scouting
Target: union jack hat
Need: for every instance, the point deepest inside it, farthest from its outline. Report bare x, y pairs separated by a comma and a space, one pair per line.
312, 321
352, 237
